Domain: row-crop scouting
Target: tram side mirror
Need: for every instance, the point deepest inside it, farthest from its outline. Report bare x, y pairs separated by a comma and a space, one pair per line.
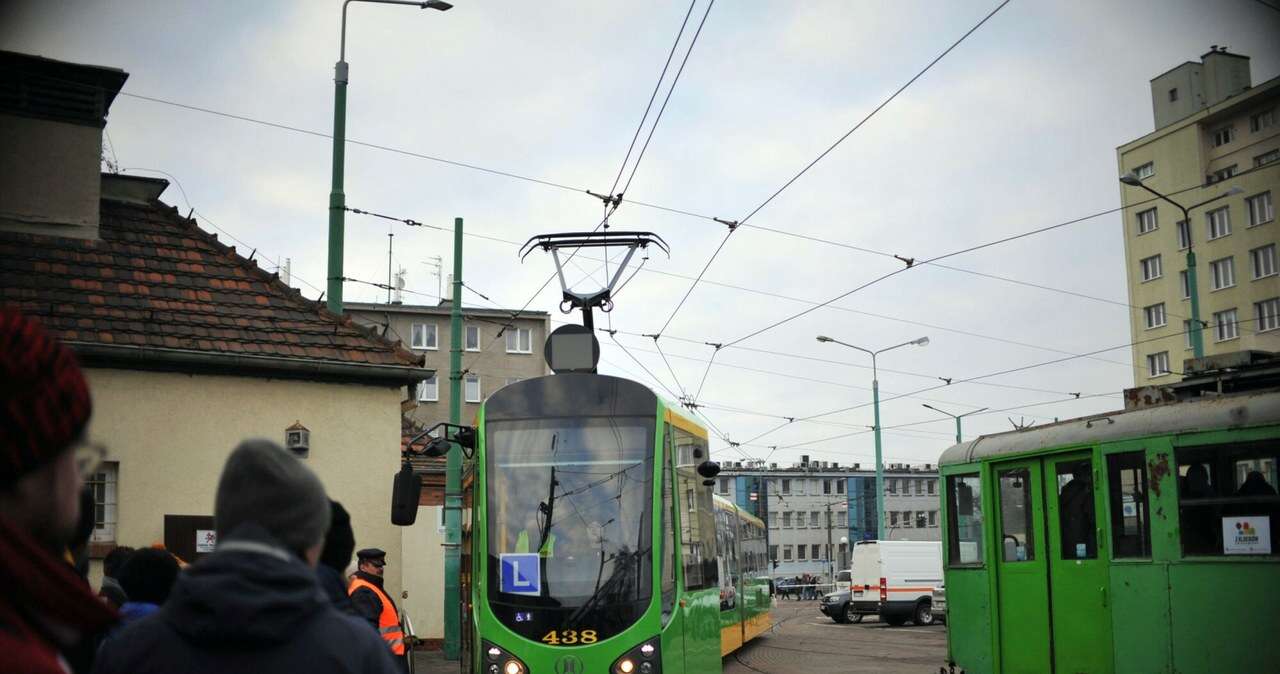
437, 447
708, 469
465, 436
964, 500
405, 494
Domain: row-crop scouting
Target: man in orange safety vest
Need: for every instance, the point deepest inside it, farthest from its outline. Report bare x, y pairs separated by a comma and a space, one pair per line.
372, 603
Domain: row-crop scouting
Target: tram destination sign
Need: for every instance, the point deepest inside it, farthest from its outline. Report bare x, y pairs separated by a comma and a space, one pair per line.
1246, 535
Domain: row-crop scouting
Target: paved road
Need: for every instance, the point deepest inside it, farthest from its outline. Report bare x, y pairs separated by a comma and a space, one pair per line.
806, 642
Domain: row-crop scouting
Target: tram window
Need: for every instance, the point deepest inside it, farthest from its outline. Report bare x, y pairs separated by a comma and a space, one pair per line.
697, 520
668, 534
1017, 536
964, 520
1127, 483
1227, 498
1077, 521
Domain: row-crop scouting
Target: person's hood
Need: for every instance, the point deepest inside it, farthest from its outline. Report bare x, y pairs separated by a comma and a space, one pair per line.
250, 591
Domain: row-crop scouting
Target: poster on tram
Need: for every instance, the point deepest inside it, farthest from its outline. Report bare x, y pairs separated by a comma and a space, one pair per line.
1246, 535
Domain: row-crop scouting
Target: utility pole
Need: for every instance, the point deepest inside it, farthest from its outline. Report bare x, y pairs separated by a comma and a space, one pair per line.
453, 466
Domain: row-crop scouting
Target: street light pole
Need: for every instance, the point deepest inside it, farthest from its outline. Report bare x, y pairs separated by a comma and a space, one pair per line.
1197, 337
875, 400
957, 417
337, 198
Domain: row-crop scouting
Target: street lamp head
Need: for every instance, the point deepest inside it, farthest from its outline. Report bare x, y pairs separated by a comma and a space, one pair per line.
824, 338
923, 341
436, 4
1130, 178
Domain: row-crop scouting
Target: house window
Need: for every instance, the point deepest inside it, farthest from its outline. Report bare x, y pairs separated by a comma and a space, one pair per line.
1222, 174
1264, 261
472, 341
1145, 171
787, 552
519, 340
429, 389
1219, 222
1224, 135
1263, 120
1266, 158
906, 519
1226, 325
933, 487
1184, 235
891, 486
1158, 364
786, 485
1267, 313
1185, 280
105, 498
814, 553
839, 485
826, 486
893, 518
1150, 268
933, 518
1224, 273
1260, 210
1147, 221
801, 549
813, 518
786, 519
724, 485
773, 553
423, 336
471, 384
1173, 94
1155, 316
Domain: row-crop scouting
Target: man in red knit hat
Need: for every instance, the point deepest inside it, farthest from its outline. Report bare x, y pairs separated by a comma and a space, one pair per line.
46, 611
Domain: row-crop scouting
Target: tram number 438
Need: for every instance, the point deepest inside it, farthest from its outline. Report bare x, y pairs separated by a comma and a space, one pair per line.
569, 637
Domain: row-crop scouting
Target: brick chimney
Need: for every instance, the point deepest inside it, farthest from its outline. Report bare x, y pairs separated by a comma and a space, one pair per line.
51, 118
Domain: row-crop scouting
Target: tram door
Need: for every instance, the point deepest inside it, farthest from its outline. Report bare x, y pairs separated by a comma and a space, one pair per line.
1051, 574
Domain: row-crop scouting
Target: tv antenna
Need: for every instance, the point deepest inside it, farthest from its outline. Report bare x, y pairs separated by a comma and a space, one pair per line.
602, 298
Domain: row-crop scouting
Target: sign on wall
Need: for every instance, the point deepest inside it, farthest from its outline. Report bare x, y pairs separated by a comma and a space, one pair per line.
1246, 535
206, 540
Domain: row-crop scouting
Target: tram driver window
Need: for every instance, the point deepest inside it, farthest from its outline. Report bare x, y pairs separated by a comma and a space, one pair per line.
1130, 526
1017, 534
964, 520
1227, 498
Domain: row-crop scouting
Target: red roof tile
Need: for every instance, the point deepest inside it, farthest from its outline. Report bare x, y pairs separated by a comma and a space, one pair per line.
155, 279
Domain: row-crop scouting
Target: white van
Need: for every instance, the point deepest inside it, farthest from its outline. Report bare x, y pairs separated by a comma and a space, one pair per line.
843, 580
895, 580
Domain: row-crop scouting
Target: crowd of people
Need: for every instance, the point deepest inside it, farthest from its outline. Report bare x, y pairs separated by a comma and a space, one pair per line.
272, 596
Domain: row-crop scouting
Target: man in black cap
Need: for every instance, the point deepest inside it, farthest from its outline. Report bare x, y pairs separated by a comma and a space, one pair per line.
372, 602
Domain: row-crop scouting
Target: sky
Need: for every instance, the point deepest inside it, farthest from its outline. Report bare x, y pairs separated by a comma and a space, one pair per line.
1013, 130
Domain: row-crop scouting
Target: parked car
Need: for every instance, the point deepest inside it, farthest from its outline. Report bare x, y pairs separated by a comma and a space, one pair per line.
895, 580
838, 607
939, 603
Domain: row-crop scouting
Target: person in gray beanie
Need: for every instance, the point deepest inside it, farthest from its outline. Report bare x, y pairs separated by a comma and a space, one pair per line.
254, 604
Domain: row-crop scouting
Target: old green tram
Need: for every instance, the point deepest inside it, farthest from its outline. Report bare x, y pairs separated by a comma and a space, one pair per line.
1136, 541
593, 543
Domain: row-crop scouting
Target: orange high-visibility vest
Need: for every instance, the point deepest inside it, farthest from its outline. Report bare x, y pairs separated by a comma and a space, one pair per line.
388, 621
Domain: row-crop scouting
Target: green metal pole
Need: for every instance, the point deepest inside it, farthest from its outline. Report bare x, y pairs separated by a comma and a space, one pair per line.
453, 467
958, 440
1197, 337
337, 200
875, 397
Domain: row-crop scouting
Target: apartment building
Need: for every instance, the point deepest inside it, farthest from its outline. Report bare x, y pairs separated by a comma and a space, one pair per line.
1215, 150
811, 506
497, 350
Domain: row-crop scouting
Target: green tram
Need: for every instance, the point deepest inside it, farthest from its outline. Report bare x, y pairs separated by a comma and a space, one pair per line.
579, 487
1169, 565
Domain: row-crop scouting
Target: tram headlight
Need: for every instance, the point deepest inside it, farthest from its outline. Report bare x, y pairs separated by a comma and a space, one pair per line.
643, 659
500, 661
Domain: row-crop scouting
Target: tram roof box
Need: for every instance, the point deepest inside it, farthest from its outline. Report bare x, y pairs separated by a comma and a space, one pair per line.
1227, 373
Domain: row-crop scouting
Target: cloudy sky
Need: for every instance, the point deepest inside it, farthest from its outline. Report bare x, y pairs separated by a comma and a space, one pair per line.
1014, 130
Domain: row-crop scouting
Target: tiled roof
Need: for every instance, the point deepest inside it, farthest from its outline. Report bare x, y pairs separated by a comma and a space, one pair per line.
157, 281
421, 464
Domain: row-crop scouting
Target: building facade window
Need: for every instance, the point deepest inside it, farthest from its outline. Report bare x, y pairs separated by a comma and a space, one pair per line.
1173, 94
1263, 120
1267, 314
1260, 209
787, 552
1223, 272
1154, 315
802, 551
1184, 235
1158, 364
933, 487
840, 485
1150, 268
773, 553
1185, 281
1218, 222
1263, 260
893, 518
814, 553
519, 340
724, 485
1226, 325
1145, 171
826, 486
472, 342
813, 518
933, 518
906, 519
1223, 174
1147, 221
1266, 158
423, 336
429, 389
471, 388
104, 484
786, 519
1223, 135
786, 485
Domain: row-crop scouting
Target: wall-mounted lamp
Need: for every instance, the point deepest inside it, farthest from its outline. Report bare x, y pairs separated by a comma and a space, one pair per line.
297, 439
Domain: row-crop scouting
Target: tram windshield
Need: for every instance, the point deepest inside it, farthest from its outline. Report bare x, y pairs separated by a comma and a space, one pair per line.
569, 528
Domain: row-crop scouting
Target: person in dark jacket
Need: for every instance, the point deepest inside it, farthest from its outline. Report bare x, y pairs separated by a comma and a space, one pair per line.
111, 591
339, 543
147, 578
254, 604
371, 602
48, 614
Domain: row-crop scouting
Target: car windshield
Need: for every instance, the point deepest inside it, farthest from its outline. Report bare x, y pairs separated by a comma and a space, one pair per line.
569, 523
